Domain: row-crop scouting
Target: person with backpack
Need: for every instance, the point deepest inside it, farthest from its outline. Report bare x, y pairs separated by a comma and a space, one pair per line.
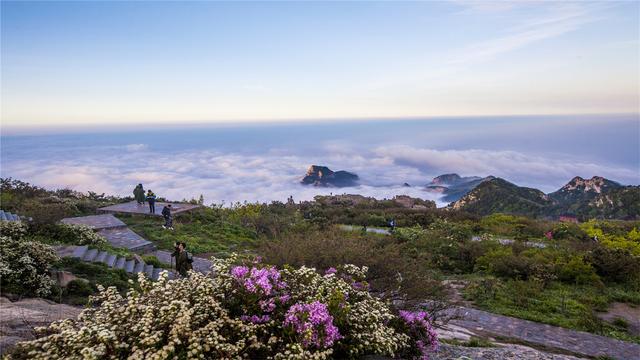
168, 219
184, 259
138, 194
151, 198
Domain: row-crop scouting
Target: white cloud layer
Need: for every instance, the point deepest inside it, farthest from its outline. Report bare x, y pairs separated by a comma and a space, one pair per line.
233, 177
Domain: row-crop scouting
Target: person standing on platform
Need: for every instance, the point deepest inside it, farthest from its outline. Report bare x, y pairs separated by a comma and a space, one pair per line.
138, 194
151, 198
168, 218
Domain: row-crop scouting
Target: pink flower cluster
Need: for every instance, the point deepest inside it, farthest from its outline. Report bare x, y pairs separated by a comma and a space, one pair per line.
256, 319
330, 271
258, 280
422, 330
313, 323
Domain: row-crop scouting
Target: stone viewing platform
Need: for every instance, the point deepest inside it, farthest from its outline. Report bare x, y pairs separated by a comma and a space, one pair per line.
96, 222
133, 207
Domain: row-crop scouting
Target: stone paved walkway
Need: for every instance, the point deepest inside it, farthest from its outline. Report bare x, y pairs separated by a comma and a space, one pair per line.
578, 342
126, 238
96, 221
133, 207
115, 231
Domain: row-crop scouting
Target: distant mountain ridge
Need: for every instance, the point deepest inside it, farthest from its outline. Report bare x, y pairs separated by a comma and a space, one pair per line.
585, 198
453, 186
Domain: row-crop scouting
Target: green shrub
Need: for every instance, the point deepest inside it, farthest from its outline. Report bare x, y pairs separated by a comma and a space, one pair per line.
483, 290
152, 260
78, 287
24, 265
568, 231
478, 342
615, 265
504, 263
620, 322
66, 234
392, 266
577, 271
96, 273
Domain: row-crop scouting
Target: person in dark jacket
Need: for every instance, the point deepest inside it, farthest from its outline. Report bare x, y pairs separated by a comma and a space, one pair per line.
151, 198
168, 218
183, 259
138, 194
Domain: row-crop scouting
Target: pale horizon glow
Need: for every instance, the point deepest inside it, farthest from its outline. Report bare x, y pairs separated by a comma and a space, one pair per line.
86, 64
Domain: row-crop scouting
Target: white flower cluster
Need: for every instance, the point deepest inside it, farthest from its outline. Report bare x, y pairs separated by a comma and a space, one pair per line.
83, 235
199, 317
24, 265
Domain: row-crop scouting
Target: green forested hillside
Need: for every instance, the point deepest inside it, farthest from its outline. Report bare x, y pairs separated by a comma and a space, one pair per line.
584, 199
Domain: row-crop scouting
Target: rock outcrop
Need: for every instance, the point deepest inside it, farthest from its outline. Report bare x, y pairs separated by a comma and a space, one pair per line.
20, 317
323, 176
453, 186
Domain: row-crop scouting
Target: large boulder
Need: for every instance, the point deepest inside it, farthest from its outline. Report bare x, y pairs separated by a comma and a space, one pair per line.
20, 317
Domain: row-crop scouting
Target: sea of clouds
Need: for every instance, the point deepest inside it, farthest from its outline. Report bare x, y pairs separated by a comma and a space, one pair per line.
228, 177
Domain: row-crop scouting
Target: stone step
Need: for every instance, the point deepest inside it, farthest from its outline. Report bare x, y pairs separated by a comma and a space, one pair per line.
111, 260
139, 267
90, 255
80, 251
156, 274
101, 256
96, 222
128, 267
120, 263
144, 248
148, 270
126, 238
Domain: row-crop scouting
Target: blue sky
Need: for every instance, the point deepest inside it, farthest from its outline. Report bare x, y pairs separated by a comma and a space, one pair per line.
89, 63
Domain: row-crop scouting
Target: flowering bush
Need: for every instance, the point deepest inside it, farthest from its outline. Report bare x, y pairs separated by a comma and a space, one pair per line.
250, 311
66, 234
84, 235
419, 327
24, 265
312, 324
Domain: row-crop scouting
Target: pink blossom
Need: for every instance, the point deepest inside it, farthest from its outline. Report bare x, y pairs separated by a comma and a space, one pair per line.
313, 324
330, 271
421, 329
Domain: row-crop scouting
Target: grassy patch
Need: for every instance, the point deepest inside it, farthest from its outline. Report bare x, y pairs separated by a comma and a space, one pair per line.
569, 306
91, 275
152, 260
203, 231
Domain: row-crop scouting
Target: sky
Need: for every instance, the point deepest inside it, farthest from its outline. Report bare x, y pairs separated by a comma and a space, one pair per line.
122, 63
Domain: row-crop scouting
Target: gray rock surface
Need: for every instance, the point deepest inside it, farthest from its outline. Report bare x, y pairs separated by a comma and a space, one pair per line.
20, 317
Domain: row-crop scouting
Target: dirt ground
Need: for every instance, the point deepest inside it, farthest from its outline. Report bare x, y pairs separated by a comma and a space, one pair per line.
631, 314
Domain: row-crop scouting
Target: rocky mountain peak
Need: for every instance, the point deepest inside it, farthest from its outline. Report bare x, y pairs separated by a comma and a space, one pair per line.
448, 179
318, 175
595, 184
